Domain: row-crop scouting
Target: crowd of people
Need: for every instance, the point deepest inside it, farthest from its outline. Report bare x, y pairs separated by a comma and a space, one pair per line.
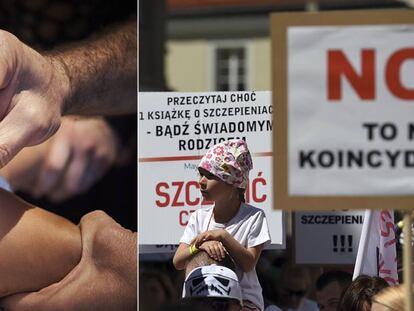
221, 266
294, 288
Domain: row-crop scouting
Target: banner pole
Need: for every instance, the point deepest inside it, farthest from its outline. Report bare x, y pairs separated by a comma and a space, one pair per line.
407, 261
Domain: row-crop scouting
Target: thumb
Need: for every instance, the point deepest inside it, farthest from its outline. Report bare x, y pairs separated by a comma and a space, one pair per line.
23, 126
12, 139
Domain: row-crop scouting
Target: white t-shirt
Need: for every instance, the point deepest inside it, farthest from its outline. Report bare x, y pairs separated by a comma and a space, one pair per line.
249, 227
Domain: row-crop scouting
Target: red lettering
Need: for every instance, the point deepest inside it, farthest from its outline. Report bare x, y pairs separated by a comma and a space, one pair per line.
382, 269
256, 181
182, 222
182, 214
363, 84
386, 226
187, 193
179, 185
390, 280
393, 73
162, 194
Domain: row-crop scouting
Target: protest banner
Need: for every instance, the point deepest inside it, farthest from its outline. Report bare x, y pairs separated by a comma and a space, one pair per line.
327, 238
343, 90
377, 255
175, 131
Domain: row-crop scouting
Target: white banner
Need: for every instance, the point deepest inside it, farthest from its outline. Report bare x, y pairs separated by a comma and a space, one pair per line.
175, 131
377, 254
327, 237
350, 110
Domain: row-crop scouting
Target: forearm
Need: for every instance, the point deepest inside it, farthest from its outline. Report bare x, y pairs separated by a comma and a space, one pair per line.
241, 256
102, 73
37, 248
182, 256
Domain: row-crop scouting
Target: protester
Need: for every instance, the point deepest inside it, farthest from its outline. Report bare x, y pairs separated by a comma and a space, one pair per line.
201, 258
291, 290
215, 287
329, 288
389, 299
230, 225
358, 296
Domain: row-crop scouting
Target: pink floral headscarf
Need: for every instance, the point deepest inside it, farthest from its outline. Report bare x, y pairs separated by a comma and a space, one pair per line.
230, 161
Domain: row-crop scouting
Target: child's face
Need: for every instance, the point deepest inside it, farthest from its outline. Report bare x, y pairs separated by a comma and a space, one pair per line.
213, 188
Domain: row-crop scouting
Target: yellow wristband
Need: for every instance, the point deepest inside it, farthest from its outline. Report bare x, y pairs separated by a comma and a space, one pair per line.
193, 249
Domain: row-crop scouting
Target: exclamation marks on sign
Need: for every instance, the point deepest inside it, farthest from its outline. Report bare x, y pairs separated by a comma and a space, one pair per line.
350, 243
342, 246
342, 243
335, 243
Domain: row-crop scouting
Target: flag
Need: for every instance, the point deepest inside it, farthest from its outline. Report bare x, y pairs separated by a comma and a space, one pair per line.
377, 254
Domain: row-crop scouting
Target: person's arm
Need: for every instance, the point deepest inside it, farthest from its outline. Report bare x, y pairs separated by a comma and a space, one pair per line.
104, 279
245, 258
69, 163
97, 76
102, 73
81, 152
37, 248
181, 256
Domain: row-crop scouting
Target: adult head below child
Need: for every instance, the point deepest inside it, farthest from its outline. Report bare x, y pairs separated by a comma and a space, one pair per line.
231, 225
213, 287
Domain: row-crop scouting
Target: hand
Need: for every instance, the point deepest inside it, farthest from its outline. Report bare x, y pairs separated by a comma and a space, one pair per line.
214, 249
104, 280
216, 235
80, 153
33, 89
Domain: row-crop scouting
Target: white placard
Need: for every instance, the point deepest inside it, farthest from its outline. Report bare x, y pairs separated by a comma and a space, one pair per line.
175, 130
327, 237
350, 110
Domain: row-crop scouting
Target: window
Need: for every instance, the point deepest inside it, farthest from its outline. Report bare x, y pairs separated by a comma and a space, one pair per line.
230, 72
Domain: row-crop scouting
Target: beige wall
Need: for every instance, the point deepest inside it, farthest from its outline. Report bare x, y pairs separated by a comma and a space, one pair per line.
187, 65
261, 69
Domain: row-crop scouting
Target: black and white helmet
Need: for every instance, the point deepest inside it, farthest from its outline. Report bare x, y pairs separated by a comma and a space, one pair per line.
212, 281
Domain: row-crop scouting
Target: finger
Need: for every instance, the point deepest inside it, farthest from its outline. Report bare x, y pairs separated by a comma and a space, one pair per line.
53, 167
12, 139
221, 251
210, 251
217, 251
23, 127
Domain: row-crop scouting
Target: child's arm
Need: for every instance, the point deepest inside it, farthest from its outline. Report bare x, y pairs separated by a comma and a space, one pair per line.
181, 256
37, 248
214, 249
245, 258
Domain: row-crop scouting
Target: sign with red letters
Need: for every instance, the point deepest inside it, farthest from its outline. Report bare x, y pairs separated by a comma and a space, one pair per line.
343, 92
175, 131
